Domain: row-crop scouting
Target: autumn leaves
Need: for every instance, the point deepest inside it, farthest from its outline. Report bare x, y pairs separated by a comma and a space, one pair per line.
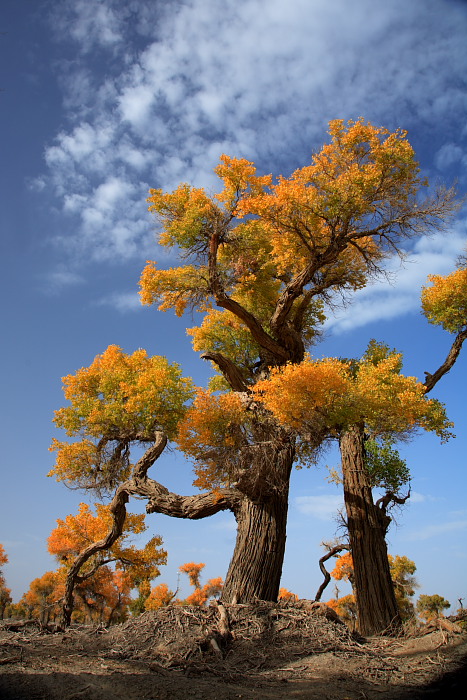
259, 260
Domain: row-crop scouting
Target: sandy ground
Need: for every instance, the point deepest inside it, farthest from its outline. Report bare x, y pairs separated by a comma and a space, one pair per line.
148, 659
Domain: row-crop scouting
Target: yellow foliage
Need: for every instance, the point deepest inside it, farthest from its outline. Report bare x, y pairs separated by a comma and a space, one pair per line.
444, 303
211, 426
118, 397
340, 393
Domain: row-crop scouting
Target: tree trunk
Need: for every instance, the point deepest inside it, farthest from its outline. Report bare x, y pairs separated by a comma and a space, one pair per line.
377, 609
256, 567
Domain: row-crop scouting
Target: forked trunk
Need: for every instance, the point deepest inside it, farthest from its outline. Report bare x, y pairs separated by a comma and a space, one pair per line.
256, 566
377, 609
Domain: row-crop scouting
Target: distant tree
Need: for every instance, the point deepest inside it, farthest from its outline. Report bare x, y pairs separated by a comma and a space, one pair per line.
402, 573
99, 588
430, 607
42, 601
5, 593
161, 595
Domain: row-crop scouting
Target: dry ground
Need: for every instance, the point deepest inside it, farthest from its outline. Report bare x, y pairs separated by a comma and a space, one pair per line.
276, 651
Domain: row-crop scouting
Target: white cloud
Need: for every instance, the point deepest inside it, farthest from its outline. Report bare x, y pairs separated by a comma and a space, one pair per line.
435, 530
58, 279
323, 507
123, 301
382, 301
177, 86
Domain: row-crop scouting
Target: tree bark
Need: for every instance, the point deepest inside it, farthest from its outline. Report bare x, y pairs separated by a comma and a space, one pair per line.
377, 609
256, 567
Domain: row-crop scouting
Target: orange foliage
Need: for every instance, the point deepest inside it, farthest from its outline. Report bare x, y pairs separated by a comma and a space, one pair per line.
193, 571
159, 597
358, 182
286, 595
76, 532
445, 301
344, 568
339, 393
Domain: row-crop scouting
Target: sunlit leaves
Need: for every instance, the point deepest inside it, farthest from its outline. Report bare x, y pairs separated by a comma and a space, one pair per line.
212, 433
444, 302
341, 393
176, 288
159, 597
76, 532
117, 400
324, 228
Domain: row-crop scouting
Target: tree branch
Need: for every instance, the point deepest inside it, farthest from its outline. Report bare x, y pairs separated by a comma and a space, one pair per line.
327, 576
230, 371
118, 511
432, 379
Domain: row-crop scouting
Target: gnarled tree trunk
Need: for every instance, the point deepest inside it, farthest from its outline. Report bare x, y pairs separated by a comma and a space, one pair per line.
377, 609
256, 566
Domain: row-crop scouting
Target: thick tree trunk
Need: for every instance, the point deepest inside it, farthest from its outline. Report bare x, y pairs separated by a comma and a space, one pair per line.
256, 566
374, 591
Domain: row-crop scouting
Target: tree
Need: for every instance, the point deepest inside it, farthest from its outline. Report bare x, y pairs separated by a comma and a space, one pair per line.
430, 607
266, 254
401, 569
352, 401
161, 595
42, 600
402, 573
5, 593
100, 587
201, 594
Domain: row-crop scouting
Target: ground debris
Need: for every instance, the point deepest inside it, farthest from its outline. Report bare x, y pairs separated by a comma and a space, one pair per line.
266, 651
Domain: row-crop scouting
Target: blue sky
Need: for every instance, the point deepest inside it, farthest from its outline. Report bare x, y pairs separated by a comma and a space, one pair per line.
102, 100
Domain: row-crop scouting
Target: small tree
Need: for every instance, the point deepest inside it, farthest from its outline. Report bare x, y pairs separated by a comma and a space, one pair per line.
99, 588
5, 593
430, 607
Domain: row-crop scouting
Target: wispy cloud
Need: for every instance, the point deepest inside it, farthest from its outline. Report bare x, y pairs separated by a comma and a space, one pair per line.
171, 88
323, 507
122, 301
430, 531
55, 281
384, 300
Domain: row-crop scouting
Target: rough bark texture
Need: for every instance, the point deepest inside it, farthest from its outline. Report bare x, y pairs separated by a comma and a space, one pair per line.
374, 591
256, 566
